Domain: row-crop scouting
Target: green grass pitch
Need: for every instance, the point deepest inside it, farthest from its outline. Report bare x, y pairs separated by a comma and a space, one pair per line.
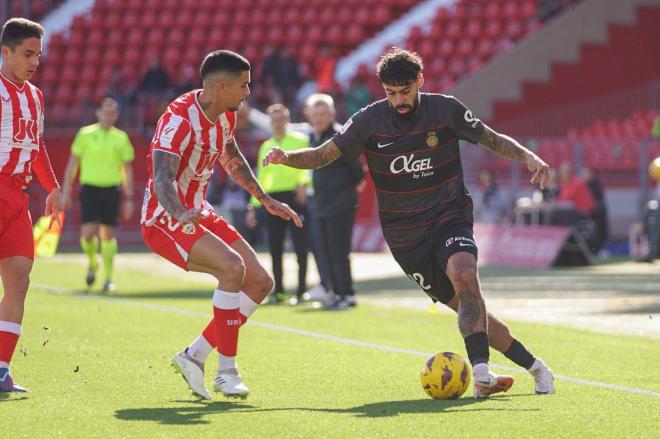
99, 367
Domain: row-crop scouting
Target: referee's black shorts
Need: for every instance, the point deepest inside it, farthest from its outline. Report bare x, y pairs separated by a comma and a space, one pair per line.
99, 205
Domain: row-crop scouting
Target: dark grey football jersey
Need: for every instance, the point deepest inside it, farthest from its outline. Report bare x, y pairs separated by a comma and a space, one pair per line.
415, 163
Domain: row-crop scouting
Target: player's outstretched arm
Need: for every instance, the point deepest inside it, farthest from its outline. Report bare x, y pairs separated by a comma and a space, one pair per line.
308, 158
238, 168
165, 166
509, 148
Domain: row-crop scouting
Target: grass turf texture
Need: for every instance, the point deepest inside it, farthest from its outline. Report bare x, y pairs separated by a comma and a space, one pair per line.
99, 368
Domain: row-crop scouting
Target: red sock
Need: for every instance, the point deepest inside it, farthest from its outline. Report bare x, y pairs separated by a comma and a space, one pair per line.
9, 333
209, 331
226, 315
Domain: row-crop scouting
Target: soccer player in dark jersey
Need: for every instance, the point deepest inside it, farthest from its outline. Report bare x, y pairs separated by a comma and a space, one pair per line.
410, 141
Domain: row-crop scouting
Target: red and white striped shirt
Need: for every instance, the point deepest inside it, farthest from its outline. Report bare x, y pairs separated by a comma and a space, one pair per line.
185, 131
22, 145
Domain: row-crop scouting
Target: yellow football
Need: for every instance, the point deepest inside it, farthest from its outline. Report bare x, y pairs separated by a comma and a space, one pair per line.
445, 375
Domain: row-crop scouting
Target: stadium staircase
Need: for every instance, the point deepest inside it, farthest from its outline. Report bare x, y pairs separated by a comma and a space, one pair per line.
597, 47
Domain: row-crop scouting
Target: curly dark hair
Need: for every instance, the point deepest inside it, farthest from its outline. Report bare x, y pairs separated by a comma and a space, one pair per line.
399, 67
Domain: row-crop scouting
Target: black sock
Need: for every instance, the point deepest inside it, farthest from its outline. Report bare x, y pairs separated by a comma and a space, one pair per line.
520, 355
477, 348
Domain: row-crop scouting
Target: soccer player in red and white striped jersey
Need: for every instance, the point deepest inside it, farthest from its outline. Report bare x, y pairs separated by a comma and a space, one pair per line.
22, 153
195, 133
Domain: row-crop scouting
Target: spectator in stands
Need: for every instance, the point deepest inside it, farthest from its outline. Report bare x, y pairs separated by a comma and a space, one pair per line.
575, 190
551, 190
599, 213
187, 82
155, 81
490, 203
335, 193
357, 95
655, 131
289, 186
287, 76
325, 70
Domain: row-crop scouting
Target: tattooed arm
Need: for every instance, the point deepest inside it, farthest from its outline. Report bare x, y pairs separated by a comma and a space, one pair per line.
308, 158
237, 167
509, 148
165, 166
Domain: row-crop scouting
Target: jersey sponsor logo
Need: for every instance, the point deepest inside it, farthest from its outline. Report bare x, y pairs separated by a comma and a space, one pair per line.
419, 280
405, 163
463, 241
167, 135
470, 119
6, 100
431, 139
27, 132
383, 145
348, 123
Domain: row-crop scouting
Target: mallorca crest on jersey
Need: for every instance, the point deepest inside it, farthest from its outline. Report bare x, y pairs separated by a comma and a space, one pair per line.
26, 135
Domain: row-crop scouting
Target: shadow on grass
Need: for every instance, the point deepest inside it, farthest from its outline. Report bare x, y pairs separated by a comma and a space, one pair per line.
185, 415
12, 397
195, 413
412, 406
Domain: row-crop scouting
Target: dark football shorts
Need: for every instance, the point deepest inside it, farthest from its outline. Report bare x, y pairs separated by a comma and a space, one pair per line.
426, 262
99, 204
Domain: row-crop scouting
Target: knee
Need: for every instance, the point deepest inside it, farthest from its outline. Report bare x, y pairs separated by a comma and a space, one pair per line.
464, 278
17, 286
232, 271
264, 283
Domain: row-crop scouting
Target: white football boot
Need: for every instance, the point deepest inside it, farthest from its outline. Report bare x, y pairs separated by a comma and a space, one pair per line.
230, 383
489, 384
192, 372
543, 378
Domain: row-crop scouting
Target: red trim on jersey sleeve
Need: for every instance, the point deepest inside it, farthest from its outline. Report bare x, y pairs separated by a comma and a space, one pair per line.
43, 169
172, 132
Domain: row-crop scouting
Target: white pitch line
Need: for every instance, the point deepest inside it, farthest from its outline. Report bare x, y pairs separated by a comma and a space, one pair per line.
320, 335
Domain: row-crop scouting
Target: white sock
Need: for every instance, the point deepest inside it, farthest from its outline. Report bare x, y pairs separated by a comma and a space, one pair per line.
246, 305
226, 362
4, 364
480, 369
200, 349
538, 363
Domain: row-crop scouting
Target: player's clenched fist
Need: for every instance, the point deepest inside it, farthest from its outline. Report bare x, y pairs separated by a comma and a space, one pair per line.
275, 156
190, 216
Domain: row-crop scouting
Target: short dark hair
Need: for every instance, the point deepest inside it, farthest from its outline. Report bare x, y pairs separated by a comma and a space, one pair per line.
16, 30
399, 67
223, 61
107, 100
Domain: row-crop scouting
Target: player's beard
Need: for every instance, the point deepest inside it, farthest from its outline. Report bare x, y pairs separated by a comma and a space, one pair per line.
411, 113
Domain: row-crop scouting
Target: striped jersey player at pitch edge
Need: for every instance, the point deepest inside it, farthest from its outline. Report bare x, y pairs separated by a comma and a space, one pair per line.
22, 153
194, 134
411, 144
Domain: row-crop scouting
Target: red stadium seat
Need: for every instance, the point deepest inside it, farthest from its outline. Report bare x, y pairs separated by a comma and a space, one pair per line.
176, 38
76, 39
131, 20
197, 37
96, 37
275, 35
135, 37
116, 38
